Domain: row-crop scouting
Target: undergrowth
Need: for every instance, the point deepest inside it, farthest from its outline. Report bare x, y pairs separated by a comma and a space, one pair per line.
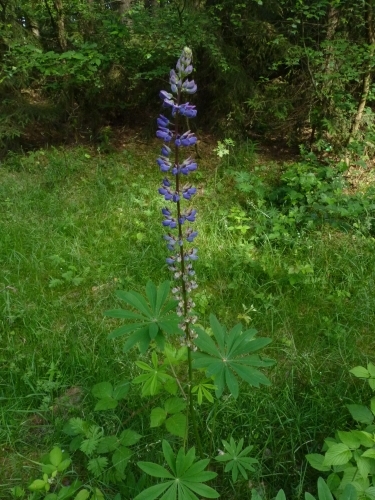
76, 225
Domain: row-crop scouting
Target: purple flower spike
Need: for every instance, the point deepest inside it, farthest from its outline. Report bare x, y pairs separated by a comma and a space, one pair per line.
191, 215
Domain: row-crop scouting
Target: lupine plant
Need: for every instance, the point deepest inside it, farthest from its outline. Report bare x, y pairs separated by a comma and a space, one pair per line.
188, 363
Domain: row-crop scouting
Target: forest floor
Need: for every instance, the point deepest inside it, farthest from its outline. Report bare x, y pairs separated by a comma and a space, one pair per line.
77, 223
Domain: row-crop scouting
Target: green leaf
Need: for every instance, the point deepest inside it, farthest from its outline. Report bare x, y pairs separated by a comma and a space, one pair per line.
121, 390
82, 495
158, 416
364, 466
154, 491
338, 454
360, 372
151, 293
176, 425
361, 414
349, 493
123, 314
220, 361
154, 470
118, 332
162, 295
107, 444
97, 466
169, 456
37, 485
316, 461
102, 390
174, 405
369, 453
371, 370
350, 439
202, 489
308, 496
55, 456
129, 437
140, 336
232, 383
153, 330
136, 300
63, 465
323, 490
121, 458
106, 404
372, 405
188, 475
280, 495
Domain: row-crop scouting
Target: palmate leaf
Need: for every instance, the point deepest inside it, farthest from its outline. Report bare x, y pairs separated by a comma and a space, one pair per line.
184, 480
231, 355
237, 458
151, 319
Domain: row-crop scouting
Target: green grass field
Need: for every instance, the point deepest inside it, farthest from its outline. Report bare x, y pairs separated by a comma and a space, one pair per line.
76, 225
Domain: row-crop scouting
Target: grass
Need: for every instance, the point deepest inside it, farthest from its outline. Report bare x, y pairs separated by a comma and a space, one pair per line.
76, 225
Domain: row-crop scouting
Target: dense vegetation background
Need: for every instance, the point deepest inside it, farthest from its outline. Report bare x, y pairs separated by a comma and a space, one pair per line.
296, 70
286, 215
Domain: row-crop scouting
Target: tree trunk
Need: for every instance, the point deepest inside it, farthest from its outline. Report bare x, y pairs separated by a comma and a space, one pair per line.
60, 23
366, 82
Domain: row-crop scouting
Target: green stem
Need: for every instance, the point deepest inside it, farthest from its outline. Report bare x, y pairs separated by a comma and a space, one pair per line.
184, 294
191, 406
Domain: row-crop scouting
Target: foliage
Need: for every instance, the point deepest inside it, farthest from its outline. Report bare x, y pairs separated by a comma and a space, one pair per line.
185, 478
152, 318
52, 487
323, 493
233, 354
308, 196
237, 459
90, 440
350, 455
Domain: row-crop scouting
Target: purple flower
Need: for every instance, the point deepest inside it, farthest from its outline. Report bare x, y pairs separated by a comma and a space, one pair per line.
191, 215
165, 95
190, 235
168, 195
188, 165
188, 192
162, 121
164, 164
189, 87
187, 110
186, 139
191, 254
174, 81
165, 150
164, 133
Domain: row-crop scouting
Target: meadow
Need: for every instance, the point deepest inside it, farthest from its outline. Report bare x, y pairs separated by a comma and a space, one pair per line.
77, 224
